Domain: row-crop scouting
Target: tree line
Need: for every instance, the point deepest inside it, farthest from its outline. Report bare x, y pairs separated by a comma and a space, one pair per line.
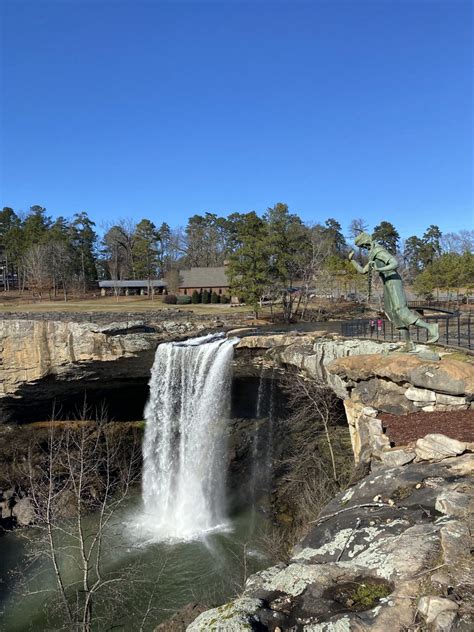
267, 256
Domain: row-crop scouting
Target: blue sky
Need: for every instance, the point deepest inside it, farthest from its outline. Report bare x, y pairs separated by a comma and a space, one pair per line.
166, 109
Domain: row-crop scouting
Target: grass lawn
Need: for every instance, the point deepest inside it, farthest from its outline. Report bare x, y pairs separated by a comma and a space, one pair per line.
110, 304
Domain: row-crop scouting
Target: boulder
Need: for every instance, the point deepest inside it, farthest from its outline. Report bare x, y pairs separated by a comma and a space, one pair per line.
237, 616
420, 395
397, 457
452, 377
435, 447
431, 607
452, 503
24, 512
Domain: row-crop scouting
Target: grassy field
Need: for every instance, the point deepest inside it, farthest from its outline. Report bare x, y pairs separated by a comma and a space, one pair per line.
11, 303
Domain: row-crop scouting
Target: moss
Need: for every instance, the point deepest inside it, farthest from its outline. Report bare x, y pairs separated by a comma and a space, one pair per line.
366, 596
363, 593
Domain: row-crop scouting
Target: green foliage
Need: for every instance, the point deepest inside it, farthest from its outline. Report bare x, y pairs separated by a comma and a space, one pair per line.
225, 299
196, 297
206, 297
421, 253
146, 250
215, 298
451, 272
249, 263
387, 235
183, 300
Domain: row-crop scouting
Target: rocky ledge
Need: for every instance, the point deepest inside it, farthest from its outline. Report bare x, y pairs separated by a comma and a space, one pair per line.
390, 553
40, 359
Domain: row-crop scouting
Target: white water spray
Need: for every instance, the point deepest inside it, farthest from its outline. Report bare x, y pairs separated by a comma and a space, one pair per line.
184, 448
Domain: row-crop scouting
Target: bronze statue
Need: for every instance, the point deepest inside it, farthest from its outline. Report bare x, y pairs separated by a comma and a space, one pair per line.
395, 302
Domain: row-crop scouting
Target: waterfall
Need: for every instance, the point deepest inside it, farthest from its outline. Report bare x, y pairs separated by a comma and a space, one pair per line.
262, 444
184, 448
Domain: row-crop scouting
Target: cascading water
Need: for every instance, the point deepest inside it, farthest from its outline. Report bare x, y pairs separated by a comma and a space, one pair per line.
184, 448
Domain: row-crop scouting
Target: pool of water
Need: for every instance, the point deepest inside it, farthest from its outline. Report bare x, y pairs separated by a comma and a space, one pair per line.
145, 575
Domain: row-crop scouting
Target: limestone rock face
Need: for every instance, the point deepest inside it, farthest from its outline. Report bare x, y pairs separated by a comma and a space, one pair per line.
451, 377
378, 540
31, 350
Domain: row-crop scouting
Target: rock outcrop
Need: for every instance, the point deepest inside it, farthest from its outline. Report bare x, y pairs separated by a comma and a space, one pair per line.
390, 553
40, 358
393, 551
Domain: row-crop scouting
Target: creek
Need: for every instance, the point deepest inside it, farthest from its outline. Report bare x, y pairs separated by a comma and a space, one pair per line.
169, 575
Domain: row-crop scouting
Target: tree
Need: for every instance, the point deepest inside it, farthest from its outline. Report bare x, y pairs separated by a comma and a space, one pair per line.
333, 232
84, 239
146, 252
38, 269
11, 245
36, 225
83, 468
290, 253
207, 240
249, 263
431, 238
387, 235
356, 227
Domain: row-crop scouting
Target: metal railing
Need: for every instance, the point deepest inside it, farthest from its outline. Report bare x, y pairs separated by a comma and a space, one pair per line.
454, 331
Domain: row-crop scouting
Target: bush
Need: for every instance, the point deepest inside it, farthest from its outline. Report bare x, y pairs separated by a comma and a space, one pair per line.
170, 299
183, 300
196, 297
206, 297
215, 298
225, 299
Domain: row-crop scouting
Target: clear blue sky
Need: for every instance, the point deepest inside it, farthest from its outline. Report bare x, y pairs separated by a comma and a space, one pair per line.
166, 109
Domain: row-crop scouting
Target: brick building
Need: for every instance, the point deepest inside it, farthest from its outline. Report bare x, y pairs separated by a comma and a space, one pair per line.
199, 279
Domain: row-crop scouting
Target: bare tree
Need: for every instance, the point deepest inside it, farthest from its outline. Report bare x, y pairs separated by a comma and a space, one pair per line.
38, 270
320, 457
83, 469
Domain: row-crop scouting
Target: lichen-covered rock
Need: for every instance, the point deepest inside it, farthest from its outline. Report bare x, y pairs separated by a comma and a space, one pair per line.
432, 606
397, 457
236, 616
436, 447
382, 537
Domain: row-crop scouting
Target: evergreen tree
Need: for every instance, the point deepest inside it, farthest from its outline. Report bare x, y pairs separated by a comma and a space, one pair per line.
249, 263
36, 226
290, 247
387, 235
84, 240
146, 250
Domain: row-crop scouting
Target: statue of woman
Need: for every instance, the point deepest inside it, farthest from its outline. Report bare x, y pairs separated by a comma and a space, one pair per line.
395, 302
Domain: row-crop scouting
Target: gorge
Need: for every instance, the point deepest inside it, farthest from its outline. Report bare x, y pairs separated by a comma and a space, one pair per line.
369, 379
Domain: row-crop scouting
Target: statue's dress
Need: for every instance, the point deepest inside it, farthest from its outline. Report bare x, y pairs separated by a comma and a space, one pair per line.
394, 299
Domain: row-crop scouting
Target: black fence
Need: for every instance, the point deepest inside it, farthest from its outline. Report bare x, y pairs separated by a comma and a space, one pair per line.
455, 330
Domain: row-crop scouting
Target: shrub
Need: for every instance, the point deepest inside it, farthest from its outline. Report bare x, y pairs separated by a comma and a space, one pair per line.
196, 297
170, 299
206, 297
183, 300
215, 298
225, 299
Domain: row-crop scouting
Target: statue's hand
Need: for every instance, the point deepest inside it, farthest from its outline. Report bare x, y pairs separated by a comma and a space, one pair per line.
351, 254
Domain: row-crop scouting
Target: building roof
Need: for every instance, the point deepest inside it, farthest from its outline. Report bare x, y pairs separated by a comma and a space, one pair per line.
203, 278
139, 283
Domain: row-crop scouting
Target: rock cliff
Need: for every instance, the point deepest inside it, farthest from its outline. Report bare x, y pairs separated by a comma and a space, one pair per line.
41, 358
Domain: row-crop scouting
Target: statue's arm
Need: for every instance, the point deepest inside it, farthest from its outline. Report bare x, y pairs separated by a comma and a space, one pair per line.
391, 264
357, 266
